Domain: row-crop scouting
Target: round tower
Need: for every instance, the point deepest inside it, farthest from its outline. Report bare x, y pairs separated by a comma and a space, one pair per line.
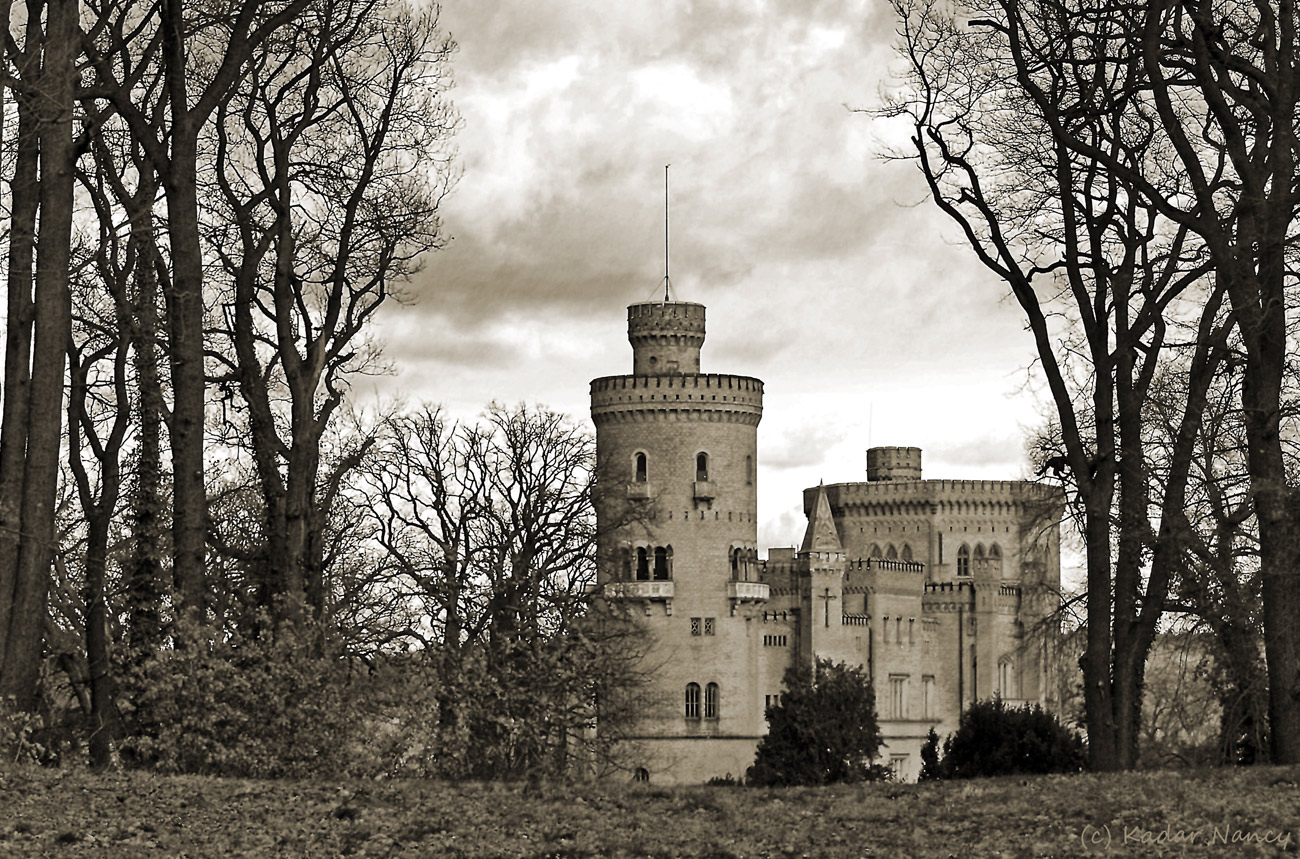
666, 337
893, 464
683, 445
678, 451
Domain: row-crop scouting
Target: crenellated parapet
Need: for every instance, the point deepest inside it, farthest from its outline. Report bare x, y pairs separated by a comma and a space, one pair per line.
711, 397
928, 497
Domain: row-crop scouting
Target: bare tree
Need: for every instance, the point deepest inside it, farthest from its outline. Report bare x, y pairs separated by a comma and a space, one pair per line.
1218, 86
329, 168
35, 356
145, 65
1099, 273
491, 531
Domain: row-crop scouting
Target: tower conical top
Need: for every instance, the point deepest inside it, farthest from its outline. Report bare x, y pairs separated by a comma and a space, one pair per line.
821, 535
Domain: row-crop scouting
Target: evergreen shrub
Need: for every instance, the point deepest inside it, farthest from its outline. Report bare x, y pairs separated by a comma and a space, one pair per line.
994, 739
822, 731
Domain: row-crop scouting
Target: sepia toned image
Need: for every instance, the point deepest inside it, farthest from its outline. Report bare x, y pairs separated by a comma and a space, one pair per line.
714, 428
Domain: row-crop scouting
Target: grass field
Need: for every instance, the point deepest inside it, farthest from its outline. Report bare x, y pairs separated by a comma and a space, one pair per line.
1253, 812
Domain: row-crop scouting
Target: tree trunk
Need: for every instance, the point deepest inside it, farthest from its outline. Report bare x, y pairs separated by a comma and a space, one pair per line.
185, 351
1103, 748
18, 345
102, 723
20, 672
144, 576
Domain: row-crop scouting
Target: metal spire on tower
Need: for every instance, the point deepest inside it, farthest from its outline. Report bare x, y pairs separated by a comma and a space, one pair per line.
667, 282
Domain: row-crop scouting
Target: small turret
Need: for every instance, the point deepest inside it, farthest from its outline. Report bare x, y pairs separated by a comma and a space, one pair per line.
666, 337
893, 464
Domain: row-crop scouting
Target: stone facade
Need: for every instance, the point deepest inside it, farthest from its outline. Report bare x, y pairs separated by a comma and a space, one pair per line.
941, 589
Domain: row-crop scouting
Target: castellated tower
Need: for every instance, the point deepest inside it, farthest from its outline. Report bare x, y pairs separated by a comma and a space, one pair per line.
679, 448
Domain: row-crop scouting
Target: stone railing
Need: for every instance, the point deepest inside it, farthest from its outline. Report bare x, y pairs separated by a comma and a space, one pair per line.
753, 591
660, 590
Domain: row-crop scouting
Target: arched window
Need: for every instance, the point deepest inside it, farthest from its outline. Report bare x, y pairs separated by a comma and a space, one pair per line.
907, 552
735, 565
963, 561
692, 700
995, 559
641, 774
642, 564
661, 564
702, 467
711, 701
875, 552
749, 471
980, 567
641, 473
891, 554
625, 563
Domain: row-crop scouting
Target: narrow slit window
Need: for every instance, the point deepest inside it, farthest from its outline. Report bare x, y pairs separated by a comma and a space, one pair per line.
641, 468
702, 467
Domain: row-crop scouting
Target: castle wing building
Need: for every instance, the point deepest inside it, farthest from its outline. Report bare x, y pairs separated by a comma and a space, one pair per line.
944, 590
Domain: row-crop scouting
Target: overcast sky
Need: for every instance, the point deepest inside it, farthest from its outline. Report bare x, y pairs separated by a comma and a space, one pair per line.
826, 272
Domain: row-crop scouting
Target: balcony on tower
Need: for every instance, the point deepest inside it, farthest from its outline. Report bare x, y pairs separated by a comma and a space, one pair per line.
639, 491
747, 592
705, 490
648, 592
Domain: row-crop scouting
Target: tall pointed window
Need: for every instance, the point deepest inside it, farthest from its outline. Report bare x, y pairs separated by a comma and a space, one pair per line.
702, 467
995, 560
891, 554
642, 564
979, 559
875, 552
907, 552
692, 700
963, 561
641, 474
711, 701
735, 565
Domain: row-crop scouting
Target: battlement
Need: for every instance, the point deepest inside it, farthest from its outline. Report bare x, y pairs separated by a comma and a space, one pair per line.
947, 587
881, 564
683, 315
711, 396
953, 495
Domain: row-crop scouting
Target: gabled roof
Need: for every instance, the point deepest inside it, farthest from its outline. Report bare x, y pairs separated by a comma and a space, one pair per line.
821, 535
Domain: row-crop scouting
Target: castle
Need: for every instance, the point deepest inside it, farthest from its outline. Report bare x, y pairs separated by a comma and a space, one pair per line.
941, 589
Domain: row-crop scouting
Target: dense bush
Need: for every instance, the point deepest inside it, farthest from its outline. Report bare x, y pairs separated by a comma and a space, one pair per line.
994, 739
823, 730
257, 706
